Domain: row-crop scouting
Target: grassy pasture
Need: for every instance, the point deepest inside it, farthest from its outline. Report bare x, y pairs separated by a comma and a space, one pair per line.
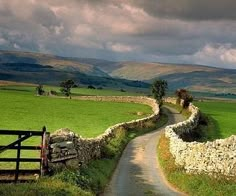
21, 110
88, 118
80, 91
223, 115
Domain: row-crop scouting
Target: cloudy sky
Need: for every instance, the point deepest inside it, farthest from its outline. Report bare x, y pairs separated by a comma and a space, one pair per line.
183, 31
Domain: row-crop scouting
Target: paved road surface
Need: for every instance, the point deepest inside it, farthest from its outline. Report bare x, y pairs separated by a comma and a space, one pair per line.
137, 172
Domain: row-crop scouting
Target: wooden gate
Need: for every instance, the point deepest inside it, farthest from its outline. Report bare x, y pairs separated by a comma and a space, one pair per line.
16, 145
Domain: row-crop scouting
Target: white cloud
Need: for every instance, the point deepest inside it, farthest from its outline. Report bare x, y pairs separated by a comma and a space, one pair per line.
219, 55
16, 46
84, 30
58, 29
118, 47
3, 41
229, 56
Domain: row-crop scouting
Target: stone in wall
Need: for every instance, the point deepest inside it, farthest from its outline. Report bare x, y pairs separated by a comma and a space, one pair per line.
62, 148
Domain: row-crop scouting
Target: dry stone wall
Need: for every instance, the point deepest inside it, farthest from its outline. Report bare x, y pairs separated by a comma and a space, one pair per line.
70, 150
130, 99
171, 100
217, 157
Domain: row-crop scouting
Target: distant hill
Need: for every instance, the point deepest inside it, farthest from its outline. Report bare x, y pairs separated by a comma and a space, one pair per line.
45, 68
193, 77
148, 71
57, 62
49, 69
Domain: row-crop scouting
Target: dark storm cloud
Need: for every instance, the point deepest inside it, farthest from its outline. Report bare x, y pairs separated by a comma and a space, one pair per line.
44, 16
189, 9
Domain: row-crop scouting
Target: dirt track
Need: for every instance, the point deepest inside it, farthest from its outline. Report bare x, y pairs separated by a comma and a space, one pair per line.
137, 172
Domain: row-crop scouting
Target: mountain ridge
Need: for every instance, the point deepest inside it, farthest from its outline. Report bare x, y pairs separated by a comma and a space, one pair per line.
178, 75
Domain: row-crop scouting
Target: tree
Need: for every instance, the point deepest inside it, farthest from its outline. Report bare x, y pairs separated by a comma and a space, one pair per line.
91, 87
66, 87
39, 90
180, 93
159, 88
185, 96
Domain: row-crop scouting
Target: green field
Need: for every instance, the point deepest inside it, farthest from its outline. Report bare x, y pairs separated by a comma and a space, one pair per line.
223, 115
79, 91
22, 110
88, 118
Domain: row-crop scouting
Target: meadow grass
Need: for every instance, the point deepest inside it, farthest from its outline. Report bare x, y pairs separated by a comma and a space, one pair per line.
192, 184
22, 110
88, 118
222, 114
45, 186
79, 91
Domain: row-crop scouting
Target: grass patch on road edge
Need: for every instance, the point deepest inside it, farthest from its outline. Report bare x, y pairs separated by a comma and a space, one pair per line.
45, 186
98, 173
192, 184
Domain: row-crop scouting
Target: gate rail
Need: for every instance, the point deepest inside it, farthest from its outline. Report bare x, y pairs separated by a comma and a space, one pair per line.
16, 145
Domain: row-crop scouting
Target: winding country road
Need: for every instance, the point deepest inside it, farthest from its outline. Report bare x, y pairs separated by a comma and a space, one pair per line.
137, 172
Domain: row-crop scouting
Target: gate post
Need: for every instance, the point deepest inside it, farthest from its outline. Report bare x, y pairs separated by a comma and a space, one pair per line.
44, 147
18, 160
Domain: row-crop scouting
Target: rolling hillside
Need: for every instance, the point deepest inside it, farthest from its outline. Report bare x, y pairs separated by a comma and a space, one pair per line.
193, 77
148, 71
59, 63
50, 69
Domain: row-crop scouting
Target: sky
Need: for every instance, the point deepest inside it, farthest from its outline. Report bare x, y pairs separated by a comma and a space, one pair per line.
183, 31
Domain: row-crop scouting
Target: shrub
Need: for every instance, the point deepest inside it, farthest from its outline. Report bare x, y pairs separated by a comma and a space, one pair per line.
52, 92
185, 96
39, 90
91, 87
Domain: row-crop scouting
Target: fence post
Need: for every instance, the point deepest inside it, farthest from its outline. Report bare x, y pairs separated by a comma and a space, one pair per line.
18, 160
43, 164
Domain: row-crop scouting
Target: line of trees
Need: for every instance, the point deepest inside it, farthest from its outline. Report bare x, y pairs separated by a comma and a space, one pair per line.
159, 88
65, 88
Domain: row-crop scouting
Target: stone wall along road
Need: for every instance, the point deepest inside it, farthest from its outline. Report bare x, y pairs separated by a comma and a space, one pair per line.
216, 157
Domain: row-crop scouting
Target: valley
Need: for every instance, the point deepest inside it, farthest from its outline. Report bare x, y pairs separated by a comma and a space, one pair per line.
50, 69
